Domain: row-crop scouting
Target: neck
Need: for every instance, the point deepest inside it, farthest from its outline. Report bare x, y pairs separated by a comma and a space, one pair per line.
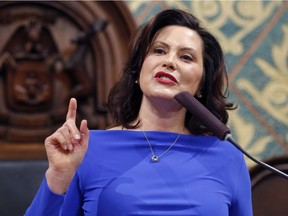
162, 115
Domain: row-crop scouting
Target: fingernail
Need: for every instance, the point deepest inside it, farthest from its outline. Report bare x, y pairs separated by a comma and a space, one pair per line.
65, 147
70, 147
77, 136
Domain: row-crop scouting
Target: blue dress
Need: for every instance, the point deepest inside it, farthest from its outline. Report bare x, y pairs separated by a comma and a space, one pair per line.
199, 175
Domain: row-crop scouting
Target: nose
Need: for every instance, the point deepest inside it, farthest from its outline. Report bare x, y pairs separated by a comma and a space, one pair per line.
169, 62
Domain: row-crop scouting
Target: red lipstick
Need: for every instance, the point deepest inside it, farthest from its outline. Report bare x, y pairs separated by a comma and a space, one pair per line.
165, 78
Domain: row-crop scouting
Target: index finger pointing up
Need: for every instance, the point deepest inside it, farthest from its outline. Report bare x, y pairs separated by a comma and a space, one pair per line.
71, 114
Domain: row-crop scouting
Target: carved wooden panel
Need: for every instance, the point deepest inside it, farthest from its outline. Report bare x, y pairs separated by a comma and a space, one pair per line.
50, 52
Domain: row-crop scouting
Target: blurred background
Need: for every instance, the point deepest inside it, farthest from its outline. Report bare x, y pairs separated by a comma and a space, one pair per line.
52, 51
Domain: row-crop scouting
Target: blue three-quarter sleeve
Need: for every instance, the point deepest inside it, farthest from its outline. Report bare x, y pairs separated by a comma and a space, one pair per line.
45, 203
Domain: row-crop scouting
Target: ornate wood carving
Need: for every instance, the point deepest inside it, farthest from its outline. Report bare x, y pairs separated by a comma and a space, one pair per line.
50, 52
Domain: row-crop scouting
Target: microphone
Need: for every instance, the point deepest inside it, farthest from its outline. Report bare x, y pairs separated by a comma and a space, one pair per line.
216, 126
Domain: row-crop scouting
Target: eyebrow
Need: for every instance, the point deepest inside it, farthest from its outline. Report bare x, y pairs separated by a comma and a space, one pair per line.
194, 52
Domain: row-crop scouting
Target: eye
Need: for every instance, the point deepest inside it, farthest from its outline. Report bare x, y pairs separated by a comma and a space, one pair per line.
187, 57
159, 50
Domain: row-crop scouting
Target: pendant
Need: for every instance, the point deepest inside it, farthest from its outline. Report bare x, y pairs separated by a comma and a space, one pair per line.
154, 158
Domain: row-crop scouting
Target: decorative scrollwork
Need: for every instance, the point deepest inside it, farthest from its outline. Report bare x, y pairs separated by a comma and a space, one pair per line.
273, 96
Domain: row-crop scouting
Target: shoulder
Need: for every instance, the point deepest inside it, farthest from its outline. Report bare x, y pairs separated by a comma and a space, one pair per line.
221, 153
110, 133
230, 153
213, 145
111, 138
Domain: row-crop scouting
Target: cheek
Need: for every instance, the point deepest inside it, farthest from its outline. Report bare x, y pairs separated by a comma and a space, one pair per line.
192, 80
147, 63
146, 68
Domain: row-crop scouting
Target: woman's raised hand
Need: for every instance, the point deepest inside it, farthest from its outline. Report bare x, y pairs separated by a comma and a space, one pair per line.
65, 150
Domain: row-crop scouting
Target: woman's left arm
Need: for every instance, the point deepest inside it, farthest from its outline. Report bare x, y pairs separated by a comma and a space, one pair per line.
242, 204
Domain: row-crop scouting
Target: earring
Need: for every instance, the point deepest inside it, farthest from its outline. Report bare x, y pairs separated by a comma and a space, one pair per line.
136, 81
199, 95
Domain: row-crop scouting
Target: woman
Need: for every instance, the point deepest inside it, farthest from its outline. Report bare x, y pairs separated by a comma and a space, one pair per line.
157, 159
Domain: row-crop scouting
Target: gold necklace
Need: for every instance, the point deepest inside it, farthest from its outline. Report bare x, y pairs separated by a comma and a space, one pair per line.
154, 157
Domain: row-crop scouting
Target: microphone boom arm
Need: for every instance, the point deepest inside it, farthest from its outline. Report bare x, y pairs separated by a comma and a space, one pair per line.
216, 126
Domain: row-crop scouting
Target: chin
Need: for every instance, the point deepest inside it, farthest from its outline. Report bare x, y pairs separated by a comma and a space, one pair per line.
163, 94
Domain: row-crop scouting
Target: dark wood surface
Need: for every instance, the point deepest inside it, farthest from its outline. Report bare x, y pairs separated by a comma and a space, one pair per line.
269, 190
52, 51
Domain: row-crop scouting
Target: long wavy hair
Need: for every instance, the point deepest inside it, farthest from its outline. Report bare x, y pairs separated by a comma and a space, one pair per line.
125, 97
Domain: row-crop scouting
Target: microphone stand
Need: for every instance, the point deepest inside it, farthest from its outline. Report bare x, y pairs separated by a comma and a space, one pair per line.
216, 126
264, 165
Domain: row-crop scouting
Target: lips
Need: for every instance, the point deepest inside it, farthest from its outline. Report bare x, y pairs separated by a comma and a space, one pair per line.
165, 78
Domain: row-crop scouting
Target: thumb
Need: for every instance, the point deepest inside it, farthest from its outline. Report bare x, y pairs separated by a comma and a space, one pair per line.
84, 130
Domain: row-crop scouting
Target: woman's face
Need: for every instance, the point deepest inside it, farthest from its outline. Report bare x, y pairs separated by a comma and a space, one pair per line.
174, 63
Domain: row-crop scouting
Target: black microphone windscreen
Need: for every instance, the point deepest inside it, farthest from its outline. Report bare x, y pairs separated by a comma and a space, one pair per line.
200, 112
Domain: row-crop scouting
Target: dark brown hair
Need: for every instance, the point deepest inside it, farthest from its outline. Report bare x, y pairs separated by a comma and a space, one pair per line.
125, 97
